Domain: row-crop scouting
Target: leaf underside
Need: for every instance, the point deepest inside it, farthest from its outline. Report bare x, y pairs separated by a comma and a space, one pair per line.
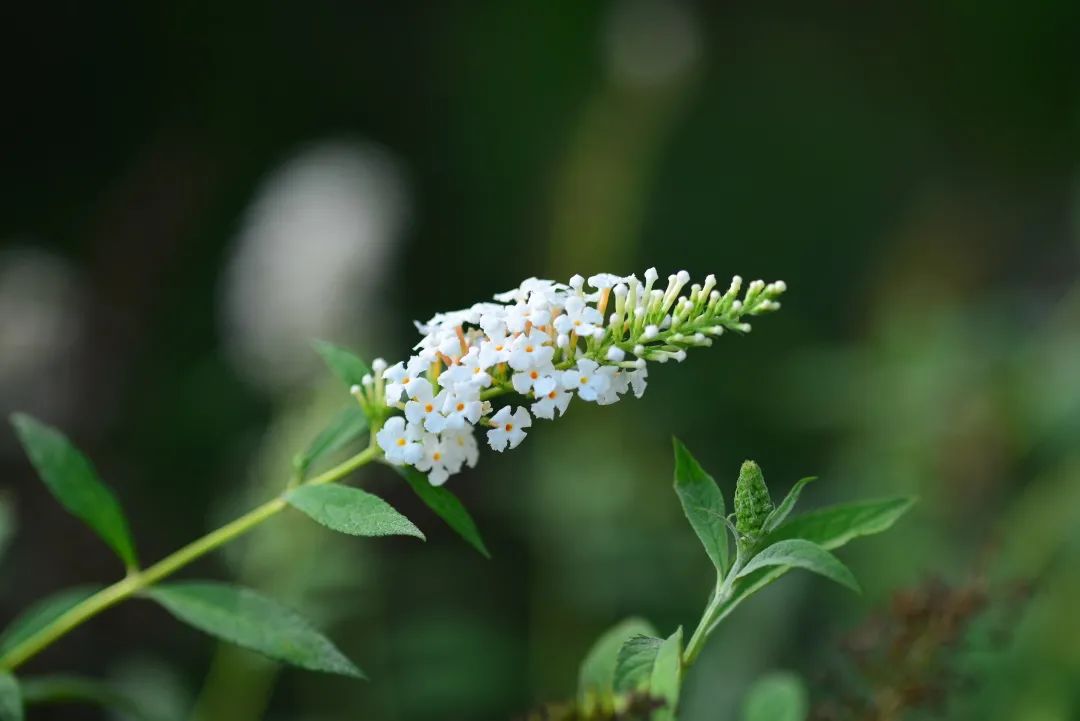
596, 676
800, 553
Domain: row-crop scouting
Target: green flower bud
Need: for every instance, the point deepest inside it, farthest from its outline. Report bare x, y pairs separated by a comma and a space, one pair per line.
752, 500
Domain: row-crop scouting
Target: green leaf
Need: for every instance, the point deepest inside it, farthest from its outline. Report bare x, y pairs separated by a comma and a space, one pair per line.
11, 703
781, 512
348, 425
77, 689
837, 525
446, 506
7, 523
667, 676
346, 366
703, 504
800, 553
829, 528
634, 663
42, 613
777, 696
72, 480
596, 677
350, 510
241, 616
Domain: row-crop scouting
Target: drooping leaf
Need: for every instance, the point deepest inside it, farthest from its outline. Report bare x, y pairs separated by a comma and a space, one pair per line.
446, 506
73, 481
344, 364
634, 663
703, 504
596, 677
778, 696
829, 528
42, 613
241, 616
49, 690
11, 703
800, 553
834, 526
781, 512
347, 426
667, 676
350, 510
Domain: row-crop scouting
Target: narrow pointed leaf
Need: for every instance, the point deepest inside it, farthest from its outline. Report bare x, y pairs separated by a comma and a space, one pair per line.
596, 677
834, 526
778, 696
803, 554
667, 676
42, 613
73, 481
11, 703
829, 528
347, 426
50, 690
703, 504
781, 512
245, 618
350, 510
634, 663
344, 364
446, 506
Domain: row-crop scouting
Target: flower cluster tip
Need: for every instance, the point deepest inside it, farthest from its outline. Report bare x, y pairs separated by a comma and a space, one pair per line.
546, 342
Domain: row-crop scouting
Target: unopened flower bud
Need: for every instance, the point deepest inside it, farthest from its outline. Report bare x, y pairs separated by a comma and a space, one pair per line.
752, 501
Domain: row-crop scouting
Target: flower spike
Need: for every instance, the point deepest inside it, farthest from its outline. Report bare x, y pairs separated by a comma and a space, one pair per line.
547, 342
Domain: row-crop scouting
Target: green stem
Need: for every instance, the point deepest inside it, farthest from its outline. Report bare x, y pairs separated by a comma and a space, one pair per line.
138, 581
719, 598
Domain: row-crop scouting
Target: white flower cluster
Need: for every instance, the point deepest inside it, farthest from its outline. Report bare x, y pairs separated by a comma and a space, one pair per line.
547, 342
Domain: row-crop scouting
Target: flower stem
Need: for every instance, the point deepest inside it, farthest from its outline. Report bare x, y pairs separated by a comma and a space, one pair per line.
719, 598
137, 581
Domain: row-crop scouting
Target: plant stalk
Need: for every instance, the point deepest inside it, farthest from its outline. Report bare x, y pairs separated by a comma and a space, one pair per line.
719, 598
137, 581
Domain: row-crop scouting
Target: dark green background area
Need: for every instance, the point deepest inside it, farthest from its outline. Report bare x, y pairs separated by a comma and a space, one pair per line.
909, 169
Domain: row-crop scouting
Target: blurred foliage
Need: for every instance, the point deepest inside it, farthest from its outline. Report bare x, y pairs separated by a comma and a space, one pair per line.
909, 169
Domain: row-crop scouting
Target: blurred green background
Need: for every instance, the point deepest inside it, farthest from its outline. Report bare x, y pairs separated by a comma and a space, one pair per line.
192, 191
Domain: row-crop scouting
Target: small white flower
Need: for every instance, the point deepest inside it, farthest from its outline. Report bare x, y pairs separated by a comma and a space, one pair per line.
601, 281
460, 446
509, 430
531, 351
638, 380
434, 461
427, 409
400, 441
517, 316
618, 384
467, 371
401, 378
555, 399
495, 351
585, 379
579, 318
462, 408
534, 381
